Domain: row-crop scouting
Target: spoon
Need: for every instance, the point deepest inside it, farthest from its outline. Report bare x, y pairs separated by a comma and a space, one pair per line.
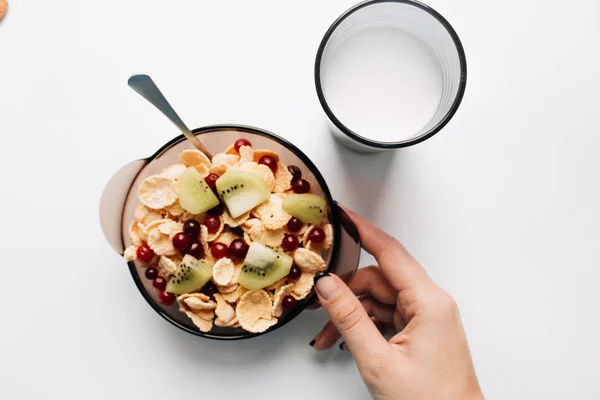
146, 87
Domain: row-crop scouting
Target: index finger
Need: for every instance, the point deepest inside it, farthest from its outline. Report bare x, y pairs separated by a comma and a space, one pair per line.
396, 263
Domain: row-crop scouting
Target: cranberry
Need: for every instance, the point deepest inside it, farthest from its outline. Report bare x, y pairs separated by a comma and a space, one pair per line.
145, 253
289, 302
216, 211
211, 181
213, 223
196, 250
166, 298
151, 273
295, 272
317, 235
241, 142
295, 171
160, 283
181, 241
209, 288
269, 161
192, 228
294, 224
218, 250
238, 249
290, 242
301, 186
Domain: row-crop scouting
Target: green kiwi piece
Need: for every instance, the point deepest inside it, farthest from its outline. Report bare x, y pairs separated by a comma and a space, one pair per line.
191, 275
195, 195
308, 208
242, 191
263, 266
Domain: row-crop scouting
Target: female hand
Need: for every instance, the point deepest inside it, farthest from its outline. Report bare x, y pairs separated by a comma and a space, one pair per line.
428, 357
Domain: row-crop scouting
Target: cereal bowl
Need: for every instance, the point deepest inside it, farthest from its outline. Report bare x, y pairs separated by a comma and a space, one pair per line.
134, 193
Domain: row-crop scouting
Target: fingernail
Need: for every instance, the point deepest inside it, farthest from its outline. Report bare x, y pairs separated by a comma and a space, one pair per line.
327, 287
312, 343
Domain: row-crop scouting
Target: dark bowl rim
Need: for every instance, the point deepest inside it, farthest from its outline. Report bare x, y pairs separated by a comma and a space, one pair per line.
290, 315
403, 143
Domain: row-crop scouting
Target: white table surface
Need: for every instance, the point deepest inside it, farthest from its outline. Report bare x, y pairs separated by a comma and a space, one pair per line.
502, 207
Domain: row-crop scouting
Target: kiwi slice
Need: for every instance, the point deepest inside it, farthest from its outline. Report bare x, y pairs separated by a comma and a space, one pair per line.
308, 208
190, 276
242, 191
263, 266
195, 195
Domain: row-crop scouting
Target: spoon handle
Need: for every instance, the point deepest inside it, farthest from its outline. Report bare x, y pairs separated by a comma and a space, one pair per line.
146, 87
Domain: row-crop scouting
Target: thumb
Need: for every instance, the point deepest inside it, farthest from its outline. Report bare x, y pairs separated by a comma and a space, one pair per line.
350, 318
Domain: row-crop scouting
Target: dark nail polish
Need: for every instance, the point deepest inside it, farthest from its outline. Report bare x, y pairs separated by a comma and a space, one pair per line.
320, 275
312, 342
342, 346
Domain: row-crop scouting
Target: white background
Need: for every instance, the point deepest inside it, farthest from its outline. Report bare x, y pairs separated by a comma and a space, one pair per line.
502, 207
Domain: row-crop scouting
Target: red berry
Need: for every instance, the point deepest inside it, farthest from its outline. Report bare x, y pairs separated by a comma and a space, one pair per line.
295, 171
317, 235
166, 298
289, 302
160, 283
192, 228
209, 288
301, 186
238, 249
145, 253
213, 223
181, 241
196, 250
211, 181
216, 211
151, 273
269, 161
290, 242
218, 250
295, 272
241, 142
294, 224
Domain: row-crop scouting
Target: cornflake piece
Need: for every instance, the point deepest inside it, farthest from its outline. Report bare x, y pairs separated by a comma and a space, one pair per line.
223, 271
271, 214
261, 170
166, 267
203, 170
308, 261
175, 209
212, 236
255, 228
228, 220
170, 228
278, 299
259, 153
223, 324
229, 160
202, 324
173, 171
277, 284
261, 325
252, 306
134, 234
160, 243
157, 192
226, 238
246, 154
208, 315
218, 169
303, 286
130, 253
224, 311
141, 211
196, 301
186, 216
231, 150
235, 295
283, 178
228, 289
204, 240
305, 234
193, 157
236, 272
272, 238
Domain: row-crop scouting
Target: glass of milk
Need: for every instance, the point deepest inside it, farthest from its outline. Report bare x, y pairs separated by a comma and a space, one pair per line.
389, 74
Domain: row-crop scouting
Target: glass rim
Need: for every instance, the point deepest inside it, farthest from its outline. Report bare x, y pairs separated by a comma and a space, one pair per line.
302, 305
407, 142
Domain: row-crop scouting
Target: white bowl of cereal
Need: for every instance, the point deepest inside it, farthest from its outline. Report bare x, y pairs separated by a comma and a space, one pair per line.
227, 248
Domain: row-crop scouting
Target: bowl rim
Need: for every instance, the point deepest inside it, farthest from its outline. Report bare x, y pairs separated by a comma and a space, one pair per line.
335, 223
401, 143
